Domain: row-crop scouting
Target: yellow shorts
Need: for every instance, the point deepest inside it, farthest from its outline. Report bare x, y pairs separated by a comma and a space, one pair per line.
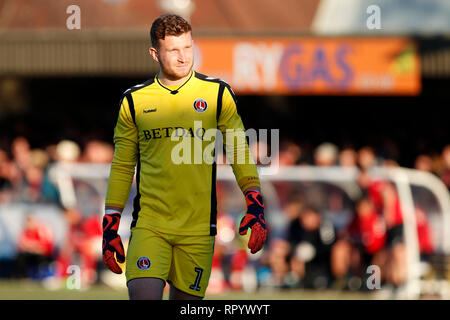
184, 261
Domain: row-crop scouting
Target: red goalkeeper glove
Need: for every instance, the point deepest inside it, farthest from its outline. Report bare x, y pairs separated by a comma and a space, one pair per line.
112, 242
254, 219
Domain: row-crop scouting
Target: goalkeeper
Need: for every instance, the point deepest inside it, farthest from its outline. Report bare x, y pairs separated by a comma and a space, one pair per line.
175, 209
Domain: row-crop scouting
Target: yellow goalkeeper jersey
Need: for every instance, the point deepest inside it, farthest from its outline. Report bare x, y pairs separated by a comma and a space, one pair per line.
162, 132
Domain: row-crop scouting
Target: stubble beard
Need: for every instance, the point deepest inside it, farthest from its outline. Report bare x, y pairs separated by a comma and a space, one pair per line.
173, 75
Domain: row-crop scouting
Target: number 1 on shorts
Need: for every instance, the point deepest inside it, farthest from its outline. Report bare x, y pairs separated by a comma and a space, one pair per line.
195, 286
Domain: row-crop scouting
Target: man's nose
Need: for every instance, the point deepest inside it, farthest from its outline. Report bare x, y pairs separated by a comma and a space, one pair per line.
181, 56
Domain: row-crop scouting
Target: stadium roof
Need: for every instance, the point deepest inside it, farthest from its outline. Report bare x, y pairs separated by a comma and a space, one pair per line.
114, 37
322, 16
221, 15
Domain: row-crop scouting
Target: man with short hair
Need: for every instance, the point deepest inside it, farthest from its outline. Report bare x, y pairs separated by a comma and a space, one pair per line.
175, 209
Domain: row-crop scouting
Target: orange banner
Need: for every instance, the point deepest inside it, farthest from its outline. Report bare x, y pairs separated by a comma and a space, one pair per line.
354, 66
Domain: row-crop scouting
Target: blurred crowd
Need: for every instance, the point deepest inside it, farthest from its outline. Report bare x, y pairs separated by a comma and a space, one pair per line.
309, 250
328, 154
314, 248
25, 179
23, 170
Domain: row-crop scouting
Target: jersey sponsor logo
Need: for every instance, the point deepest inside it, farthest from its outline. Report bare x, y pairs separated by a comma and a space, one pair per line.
200, 105
144, 263
149, 110
177, 132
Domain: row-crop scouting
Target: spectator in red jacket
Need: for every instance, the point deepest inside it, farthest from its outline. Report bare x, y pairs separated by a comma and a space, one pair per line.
386, 201
35, 249
424, 233
361, 244
81, 242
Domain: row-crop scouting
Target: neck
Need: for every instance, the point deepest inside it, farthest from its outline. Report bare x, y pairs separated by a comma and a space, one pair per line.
170, 81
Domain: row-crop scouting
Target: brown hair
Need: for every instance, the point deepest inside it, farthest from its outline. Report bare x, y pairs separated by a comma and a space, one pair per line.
168, 25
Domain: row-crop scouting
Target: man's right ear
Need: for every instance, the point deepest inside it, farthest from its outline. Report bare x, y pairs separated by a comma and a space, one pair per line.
154, 53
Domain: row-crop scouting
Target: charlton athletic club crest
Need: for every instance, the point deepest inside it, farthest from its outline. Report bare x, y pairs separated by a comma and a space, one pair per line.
143, 263
200, 105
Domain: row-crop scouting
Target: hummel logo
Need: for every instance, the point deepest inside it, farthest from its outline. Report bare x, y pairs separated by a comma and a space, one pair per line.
149, 110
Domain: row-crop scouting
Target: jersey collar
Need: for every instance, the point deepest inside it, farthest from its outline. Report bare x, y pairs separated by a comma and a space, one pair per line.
174, 91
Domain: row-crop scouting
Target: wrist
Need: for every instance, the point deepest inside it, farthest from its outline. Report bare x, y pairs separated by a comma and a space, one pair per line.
112, 211
254, 201
252, 189
111, 221
247, 183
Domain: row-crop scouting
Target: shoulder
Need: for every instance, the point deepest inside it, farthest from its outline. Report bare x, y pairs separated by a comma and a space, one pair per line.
215, 80
127, 94
222, 83
204, 77
140, 86
130, 101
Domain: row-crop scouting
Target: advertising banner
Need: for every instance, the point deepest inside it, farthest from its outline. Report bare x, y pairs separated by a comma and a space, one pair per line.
312, 65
